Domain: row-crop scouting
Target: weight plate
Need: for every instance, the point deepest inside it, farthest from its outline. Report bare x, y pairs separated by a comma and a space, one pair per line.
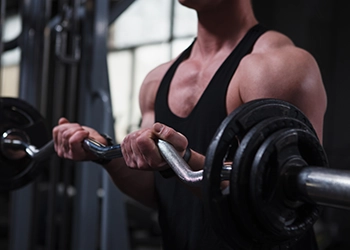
282, 154
223, 146
17, 115
240, 174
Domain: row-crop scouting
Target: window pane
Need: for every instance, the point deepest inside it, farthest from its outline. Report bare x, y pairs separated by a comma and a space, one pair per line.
126, 76
10, 80
180, 45
147, 58
12, 29
120, 77
9, 73
143, 22
185, 23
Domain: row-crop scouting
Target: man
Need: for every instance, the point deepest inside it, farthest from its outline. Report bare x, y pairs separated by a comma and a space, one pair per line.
232, 61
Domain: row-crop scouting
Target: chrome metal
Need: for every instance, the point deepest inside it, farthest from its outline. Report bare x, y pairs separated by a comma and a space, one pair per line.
325, 186
15, 145
102, 151
178, 165
226, 172
170, 155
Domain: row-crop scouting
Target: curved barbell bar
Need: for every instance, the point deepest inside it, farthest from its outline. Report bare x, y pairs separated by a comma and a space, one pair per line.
324, 186
170, 155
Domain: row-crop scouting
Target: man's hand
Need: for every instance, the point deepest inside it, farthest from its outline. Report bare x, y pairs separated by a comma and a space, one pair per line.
68, 138
140, 150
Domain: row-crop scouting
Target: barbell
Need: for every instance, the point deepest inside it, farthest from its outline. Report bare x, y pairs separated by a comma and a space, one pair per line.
267, 150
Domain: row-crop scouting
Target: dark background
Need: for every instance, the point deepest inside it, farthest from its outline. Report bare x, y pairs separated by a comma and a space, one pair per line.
322, 28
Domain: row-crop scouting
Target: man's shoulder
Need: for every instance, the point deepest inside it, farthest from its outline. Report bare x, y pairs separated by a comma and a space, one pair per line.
275, 45
274, 52
272, 40
157, 73
149, 87
277, 67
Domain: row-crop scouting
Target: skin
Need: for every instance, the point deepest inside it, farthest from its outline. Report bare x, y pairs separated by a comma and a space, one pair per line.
276, 68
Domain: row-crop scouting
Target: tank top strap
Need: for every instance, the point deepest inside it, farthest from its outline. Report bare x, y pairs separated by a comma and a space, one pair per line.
217, 87
162, 93
226, 71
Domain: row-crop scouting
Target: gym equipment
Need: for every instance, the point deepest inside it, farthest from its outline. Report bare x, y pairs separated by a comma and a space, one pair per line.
265, 176
237, 140
19, 121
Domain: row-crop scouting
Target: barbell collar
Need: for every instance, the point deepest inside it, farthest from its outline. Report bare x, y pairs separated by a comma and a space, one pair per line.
325, 186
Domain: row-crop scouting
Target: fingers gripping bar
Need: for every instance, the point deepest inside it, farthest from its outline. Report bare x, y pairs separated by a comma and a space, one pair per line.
277, 171
170, 155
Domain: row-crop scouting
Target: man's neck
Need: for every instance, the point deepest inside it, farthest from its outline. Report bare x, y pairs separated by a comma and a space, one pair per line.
224, 27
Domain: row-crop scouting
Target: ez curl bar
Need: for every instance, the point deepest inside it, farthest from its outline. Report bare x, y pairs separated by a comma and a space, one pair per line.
266, 149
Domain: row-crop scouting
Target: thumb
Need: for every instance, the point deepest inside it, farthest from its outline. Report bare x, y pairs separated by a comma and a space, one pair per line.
62, 120
178, 140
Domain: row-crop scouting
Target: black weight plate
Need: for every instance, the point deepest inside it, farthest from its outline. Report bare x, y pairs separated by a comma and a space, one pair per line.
21, 116
240, 174
224, 143
284, 152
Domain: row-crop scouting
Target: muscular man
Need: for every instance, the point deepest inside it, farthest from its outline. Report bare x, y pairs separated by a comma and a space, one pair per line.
233, 60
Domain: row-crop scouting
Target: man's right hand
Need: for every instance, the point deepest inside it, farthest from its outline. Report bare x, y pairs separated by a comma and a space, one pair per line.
140, 150
68, 138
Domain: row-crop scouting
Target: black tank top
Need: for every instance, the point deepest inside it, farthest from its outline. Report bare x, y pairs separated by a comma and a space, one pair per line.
181, 214
200, 125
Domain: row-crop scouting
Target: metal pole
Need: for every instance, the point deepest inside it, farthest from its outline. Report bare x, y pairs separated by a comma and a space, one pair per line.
325, 186
180, 167
2, 21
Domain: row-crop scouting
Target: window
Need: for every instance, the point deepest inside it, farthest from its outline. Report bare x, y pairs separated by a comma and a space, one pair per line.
147, 34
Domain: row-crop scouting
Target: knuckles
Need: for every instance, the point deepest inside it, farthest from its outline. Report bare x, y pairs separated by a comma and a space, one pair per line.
64, 141
166, 133
140, 150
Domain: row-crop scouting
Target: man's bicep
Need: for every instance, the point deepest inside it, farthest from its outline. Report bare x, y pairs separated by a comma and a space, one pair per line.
297, 80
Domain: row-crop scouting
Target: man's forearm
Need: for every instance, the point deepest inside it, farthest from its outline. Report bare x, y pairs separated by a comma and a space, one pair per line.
137, 184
